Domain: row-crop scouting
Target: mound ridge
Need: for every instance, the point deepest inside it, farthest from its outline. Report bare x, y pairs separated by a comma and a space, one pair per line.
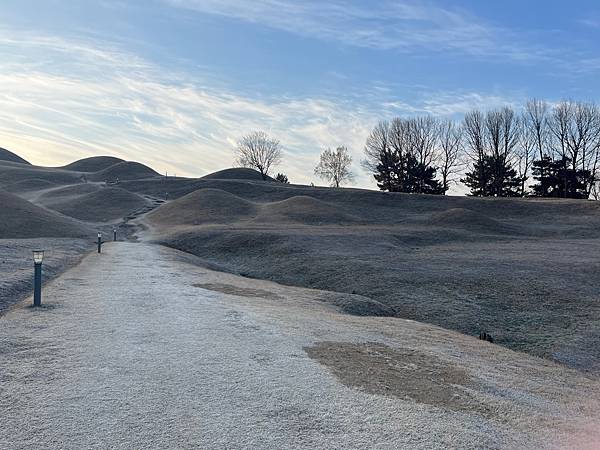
125, 170
236, 173
6, 155
67, 192
21, 219
203, 206
12, 173
93, 164
102, 205
469, 220
211, 205
29, 184
307, 210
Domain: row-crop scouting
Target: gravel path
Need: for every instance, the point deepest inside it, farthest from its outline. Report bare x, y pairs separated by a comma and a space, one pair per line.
141, 348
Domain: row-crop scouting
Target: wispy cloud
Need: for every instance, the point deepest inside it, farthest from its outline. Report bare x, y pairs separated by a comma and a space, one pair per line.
591, 20
404, 25
82, 98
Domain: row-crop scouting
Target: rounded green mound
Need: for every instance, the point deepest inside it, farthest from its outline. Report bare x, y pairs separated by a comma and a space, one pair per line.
93, 164
9, 156
204, 206
21, 219
102, 205
125, 170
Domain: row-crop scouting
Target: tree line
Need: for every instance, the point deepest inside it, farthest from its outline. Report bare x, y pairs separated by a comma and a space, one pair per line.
542, 150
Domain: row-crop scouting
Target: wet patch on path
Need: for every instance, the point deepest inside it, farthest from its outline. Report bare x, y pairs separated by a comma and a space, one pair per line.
239, 291
404, 373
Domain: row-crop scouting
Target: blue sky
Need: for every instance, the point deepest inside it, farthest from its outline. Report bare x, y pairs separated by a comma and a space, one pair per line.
174, 83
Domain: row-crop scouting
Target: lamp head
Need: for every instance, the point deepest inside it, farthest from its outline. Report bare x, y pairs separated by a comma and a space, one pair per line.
38, 256
99, 235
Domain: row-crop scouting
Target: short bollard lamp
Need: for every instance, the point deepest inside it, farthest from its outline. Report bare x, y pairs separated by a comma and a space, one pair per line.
99, 242
38, 257
114, 234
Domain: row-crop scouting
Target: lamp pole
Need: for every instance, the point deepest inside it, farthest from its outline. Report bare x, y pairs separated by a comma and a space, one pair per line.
38, 257
114, 234
99, 242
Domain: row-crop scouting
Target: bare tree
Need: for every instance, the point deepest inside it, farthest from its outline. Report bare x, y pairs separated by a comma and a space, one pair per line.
584, 141
535, 125
334, 166
474, 129
258, 151
502, 136
575, 128
491, 141
423, 134
377, 148
450, 149
529, 145
559, 124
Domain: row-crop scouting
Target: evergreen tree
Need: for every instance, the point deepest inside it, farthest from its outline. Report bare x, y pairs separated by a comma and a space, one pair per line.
492, 177
406, 174
389, 171
420, 178
282, 178
557, 178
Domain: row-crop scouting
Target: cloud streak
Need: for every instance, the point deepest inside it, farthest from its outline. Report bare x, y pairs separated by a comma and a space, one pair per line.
83, 98
403, 25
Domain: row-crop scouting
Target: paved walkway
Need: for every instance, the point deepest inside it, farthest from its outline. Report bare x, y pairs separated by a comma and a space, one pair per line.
128, 352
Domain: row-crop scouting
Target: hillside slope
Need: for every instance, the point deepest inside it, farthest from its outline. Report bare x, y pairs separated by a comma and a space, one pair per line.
236, 173
125, 170
9, 156
22, 219
92, 203
93, 164
468, 264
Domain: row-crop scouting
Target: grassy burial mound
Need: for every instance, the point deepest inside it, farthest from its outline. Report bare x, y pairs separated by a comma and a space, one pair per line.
202, 207
206, 206
61, 194
15, 172
9, 156
29, 184
93, 164
306, 210
522, 270
467, 219
173, 188
93, 203
237, 173
20, 219
124, 170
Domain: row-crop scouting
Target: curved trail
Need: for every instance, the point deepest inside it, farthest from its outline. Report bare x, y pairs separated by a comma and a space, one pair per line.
140, 348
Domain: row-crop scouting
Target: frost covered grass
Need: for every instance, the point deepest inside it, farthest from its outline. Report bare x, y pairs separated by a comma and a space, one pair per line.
143, 348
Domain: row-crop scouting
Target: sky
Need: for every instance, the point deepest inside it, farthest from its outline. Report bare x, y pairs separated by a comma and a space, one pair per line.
175, 83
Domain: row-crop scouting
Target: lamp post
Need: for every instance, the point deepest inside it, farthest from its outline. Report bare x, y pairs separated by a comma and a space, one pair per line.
38, 257
114, 234
99, 242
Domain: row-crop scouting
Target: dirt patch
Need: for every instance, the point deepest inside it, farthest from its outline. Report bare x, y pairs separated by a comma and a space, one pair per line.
239, 291
403, 373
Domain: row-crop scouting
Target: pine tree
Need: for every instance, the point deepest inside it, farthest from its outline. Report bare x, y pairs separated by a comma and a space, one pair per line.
406, 174
420, 178
389, 171
492, 177
282, 178
557, 178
